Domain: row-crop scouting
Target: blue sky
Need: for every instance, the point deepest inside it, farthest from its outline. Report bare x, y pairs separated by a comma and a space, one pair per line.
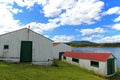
64, 20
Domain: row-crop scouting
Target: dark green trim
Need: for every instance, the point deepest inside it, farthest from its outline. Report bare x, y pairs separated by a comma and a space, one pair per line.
64, 57
60, 55
75, 60
26, 51
94, 64
110, 66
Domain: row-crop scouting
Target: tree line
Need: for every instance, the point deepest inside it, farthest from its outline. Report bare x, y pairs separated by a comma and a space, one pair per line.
78, 44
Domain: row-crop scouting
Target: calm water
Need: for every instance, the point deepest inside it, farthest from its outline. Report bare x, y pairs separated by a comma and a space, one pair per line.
114, 51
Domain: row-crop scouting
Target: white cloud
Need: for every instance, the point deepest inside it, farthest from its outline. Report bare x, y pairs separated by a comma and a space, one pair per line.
6, 1
40, 27
73, 12
55, 7
25, 3
92, 31
117, 19
90, 38
87, 39
51, 11
47, 36
8, 23
82, 12
116, 26
114, 10
62, 38
109, 39
70, 12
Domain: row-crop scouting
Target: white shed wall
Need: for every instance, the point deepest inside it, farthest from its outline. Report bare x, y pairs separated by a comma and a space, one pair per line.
13, 39
60, 48
101, 70
41, 49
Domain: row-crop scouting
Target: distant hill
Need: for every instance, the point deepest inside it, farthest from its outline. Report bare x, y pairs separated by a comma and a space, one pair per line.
83, 42
91, 44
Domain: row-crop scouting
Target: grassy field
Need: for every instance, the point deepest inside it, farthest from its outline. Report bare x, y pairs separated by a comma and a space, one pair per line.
60, 71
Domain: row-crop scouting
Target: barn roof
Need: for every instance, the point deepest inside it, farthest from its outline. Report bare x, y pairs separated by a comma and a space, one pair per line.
88, 55
55, 44
26, 29
59, 43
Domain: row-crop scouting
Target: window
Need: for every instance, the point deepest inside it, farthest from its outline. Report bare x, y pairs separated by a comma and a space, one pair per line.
6, 46
64, 57
94, 63
75, 60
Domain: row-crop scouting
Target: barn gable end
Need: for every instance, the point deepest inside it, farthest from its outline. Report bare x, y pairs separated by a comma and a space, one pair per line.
41, 47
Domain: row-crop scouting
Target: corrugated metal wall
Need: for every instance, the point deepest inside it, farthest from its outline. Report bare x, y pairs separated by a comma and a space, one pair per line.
101, 70
42, 47
13, 40
60, 48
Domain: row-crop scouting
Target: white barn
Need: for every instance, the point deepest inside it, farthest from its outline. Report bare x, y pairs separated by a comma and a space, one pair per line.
103, 64
59, 48
25, 45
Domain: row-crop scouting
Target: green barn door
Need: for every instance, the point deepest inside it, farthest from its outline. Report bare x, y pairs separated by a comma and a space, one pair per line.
26, 51
110, 66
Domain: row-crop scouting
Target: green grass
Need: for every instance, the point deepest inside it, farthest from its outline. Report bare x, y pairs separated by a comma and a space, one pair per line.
60, 71
117, 76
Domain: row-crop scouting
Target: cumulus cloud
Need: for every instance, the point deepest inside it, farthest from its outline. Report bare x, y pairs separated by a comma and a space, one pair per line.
29, 3
92, 31
90, 38
63, 12
117, 19
82, 12
116, 26
62, 38
109, 39
7, 22
113, 10
51, 11
40, 27
73, 12
87, 39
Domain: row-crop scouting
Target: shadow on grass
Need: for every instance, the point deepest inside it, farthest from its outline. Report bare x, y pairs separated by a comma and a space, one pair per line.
55, 63
115, 77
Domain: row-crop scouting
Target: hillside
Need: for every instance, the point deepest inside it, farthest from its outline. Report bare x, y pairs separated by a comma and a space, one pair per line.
84, 42
91, 44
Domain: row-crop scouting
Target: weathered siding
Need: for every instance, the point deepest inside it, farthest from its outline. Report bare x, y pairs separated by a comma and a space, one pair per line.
41, 46
42, 49
13, 39
101, 70
60, 48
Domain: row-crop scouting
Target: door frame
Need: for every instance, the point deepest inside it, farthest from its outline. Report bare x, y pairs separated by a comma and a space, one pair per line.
110, 66
23, 57
60, 55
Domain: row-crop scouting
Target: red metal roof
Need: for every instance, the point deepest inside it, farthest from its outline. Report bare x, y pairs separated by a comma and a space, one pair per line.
88, 55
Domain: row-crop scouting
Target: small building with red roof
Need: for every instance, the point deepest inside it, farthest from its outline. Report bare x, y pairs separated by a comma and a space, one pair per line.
103, 64
59, 48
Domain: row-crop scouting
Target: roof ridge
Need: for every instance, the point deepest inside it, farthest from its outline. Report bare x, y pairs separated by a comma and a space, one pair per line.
90, 56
